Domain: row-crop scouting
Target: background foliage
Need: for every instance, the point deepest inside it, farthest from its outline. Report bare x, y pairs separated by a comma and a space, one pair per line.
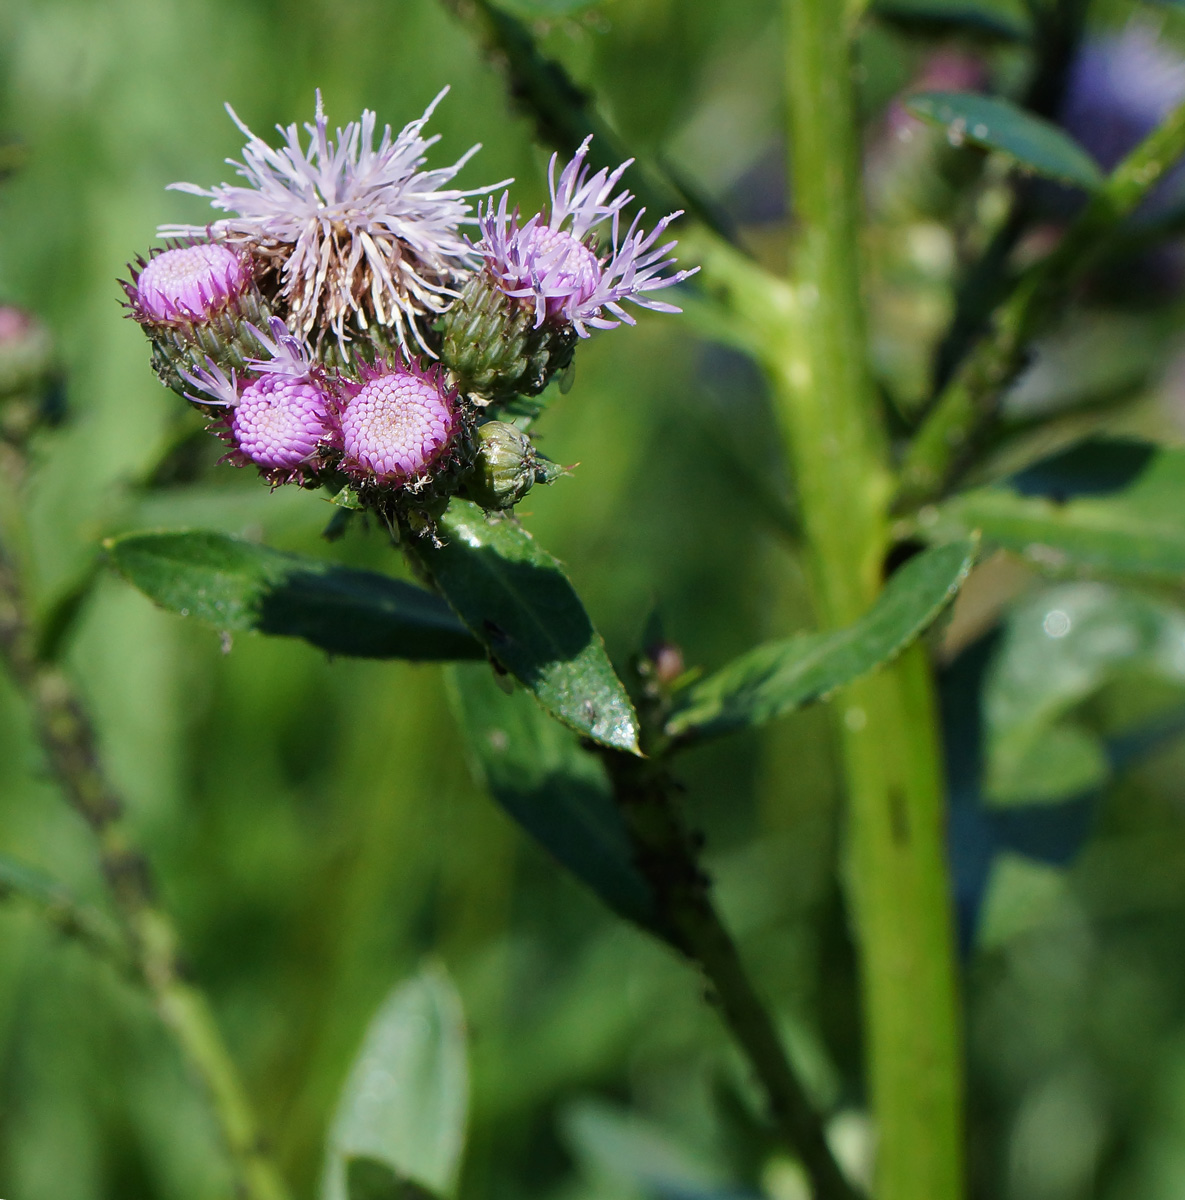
314, 823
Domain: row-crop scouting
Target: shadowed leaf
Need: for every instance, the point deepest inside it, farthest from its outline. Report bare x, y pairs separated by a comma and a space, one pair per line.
516, 599
557, 791
237, 586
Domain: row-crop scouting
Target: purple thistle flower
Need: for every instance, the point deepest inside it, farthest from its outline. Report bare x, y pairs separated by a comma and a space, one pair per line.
188, 283
282, 419
552, 260
397, 423
358, 233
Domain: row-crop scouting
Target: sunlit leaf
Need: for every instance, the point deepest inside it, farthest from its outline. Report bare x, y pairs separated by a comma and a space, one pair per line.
778, 677
405, 1102
1059, 648
516, 599
1111, 507
557, 791
235, 585
997, 124
919, 18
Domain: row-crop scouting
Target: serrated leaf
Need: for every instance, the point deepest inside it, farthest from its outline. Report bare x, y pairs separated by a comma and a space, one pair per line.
778, 677
516, 599
1059, 648
557, 791
405, 1102
949, 20
1123, 518
998, 124
236, 585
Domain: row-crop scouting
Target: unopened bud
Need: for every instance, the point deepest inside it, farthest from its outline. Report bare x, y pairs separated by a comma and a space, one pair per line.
507, 467
493, 347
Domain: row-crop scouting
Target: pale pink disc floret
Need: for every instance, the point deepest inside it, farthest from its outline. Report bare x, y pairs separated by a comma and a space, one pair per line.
282, 417
190, 283
358, 232
552, 259
398, 422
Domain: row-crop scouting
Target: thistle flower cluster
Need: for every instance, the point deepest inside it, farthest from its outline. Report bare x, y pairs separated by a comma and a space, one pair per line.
339, 329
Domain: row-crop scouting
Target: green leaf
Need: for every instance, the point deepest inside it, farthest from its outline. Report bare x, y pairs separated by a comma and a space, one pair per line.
1129, 524
236, 585
1059, 648
557, 791
949, 20
778, 677
541, 10
367, 1179
996, 124
405, 1102
518, 602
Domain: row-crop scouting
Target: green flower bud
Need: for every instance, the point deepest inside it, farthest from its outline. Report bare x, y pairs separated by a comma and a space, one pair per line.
491, 345
507, 466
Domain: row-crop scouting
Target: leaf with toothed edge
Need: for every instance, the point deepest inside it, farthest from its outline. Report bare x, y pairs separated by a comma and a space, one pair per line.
236, 585
517, 601
779, 677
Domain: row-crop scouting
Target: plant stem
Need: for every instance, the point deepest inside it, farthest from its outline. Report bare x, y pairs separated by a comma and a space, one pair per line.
70, 745
898, 883
969, 402
666, 855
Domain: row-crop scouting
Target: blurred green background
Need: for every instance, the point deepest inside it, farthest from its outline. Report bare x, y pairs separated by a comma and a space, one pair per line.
313, 824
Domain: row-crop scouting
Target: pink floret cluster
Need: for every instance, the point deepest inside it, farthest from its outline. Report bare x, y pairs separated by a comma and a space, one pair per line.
191, 283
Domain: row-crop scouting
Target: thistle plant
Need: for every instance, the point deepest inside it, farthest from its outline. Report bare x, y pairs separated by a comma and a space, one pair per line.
992, 560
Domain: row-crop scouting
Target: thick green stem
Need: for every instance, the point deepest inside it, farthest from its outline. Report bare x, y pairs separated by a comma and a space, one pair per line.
898, 874
70, 746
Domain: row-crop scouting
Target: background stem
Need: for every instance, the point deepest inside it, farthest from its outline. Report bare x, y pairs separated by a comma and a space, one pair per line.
668, 859
68, 737
898, 883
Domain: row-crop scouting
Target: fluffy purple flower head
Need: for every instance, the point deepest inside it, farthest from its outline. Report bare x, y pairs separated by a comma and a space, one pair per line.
281, 419
357, 232
397, 423
552, 260
189, 283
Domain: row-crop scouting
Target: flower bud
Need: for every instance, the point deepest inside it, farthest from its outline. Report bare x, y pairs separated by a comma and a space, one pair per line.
507, 466
195, 302
496, 349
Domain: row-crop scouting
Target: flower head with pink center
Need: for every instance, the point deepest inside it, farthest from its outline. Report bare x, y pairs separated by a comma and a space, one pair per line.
282, 419
359, 233
553, 262
397, 423
188, 284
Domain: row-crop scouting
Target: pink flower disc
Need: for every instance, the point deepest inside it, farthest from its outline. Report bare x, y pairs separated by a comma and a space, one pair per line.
191, 282
559, 266
279, 422
396, 426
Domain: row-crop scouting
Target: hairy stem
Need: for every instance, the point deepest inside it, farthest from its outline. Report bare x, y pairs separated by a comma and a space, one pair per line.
667, 857
969, 403
898, 880
68, 738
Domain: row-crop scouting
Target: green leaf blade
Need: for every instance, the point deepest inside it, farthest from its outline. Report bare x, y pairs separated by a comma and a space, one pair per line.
405, 1102
238, 586
776, 678
559, 793
515, 598
1128, 528
937, 20
996, 124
